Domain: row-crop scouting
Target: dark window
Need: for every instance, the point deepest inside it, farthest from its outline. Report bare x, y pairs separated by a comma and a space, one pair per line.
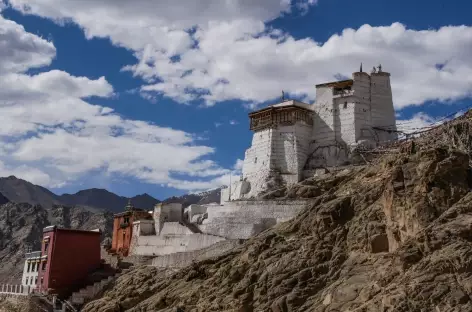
42, 280
36, 280
44, 266
29, 267
46, 245
345, 104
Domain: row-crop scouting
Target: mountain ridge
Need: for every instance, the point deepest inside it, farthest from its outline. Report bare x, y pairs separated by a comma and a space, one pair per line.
21, 191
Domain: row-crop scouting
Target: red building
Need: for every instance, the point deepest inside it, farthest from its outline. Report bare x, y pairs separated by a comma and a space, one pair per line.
67, 258
123, 228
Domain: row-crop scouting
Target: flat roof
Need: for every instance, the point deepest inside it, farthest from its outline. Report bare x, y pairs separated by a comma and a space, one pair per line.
288, 103
337, 84
57, 229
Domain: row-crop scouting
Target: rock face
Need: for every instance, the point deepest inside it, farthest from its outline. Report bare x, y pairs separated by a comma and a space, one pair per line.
21, 226
392, 236
3, 199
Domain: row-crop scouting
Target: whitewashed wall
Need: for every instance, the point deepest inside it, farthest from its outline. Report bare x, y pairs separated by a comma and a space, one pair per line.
172, 212
383, 113
323, 119
257, 157
168, 244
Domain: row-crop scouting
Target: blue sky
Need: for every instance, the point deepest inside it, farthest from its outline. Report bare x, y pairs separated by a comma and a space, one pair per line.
153, 96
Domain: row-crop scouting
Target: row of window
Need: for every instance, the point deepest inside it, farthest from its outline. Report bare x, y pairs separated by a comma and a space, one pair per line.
29, 281
34, 267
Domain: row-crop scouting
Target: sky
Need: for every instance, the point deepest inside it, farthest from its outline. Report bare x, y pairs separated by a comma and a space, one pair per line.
152, 96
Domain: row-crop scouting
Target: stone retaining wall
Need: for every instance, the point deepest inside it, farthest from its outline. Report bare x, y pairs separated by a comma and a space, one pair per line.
183, 259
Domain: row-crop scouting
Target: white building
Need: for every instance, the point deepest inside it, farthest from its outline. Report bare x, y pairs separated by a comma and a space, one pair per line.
292, 138
31, 269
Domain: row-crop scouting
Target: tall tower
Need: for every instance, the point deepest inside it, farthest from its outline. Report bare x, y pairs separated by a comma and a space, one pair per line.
382, 110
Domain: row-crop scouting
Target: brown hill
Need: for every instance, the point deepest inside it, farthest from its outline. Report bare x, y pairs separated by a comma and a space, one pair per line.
394, 235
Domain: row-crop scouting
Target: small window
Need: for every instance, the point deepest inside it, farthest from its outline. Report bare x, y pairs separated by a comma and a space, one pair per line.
29, 267
345, 104
36, 280
42, 280
43, 266
255, 160
46, 245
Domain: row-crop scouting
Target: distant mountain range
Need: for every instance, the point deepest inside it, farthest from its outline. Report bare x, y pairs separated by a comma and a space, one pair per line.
21, 191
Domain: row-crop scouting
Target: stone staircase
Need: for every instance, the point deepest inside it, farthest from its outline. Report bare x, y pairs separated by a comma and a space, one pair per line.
84, 295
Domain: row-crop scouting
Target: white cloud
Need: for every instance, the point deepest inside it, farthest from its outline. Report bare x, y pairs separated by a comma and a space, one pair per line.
52, 135
420, 121
238, 166
257, 66
233, 122
232, 54
28, 173
20, 50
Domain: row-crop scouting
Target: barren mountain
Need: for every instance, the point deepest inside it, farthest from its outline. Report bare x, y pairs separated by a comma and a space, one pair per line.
106, 200
21, 191
392, 235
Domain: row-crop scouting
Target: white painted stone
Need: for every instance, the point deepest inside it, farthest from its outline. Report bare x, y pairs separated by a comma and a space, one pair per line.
144, 227
194, 212
172, 212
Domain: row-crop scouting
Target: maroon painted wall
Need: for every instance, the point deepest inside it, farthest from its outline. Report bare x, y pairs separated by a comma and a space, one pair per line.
72, 255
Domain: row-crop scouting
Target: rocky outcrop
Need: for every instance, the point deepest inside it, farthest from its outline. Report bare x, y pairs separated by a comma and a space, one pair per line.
392, 236
3, 199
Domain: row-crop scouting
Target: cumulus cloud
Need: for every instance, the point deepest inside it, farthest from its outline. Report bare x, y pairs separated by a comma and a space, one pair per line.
420, 121
238, 166
52, 135
216, 51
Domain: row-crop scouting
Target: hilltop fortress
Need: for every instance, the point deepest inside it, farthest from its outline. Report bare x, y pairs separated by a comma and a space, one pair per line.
292, 141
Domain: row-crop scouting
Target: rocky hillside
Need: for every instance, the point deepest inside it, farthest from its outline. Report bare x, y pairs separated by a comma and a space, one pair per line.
21, 226
3, 199
394, 235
